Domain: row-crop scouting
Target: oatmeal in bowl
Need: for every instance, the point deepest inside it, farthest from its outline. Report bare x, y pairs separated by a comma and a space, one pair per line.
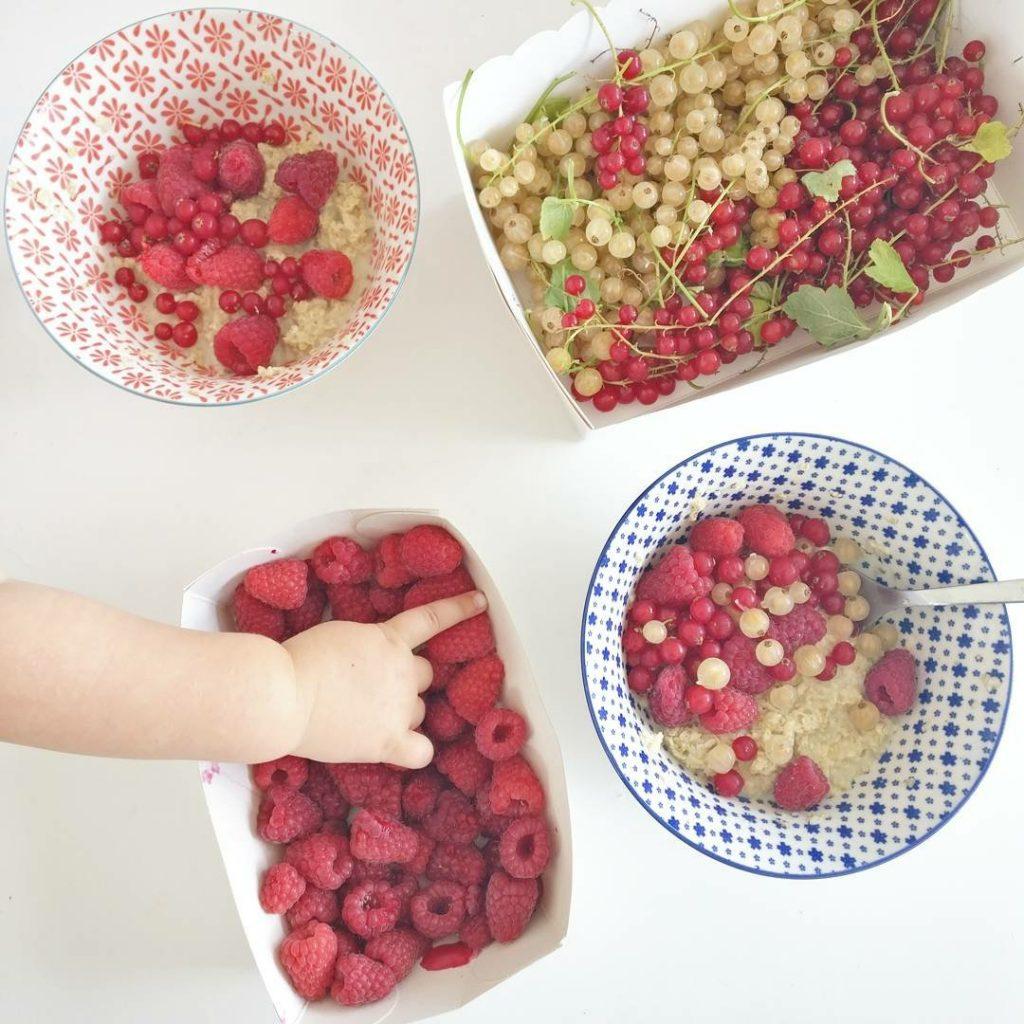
209, 236
738, 680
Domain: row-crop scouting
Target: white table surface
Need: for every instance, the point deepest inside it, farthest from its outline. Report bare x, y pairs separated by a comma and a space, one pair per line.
113, 903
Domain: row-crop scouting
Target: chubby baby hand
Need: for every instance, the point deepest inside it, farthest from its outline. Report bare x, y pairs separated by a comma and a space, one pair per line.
359, 685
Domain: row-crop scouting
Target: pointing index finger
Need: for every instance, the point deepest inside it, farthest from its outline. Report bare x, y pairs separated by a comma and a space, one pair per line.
417, 625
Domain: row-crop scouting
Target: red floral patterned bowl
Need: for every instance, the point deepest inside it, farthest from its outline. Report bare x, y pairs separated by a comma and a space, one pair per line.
127, 95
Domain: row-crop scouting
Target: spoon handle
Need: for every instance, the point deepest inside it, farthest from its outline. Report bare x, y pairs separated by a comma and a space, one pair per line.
997, 592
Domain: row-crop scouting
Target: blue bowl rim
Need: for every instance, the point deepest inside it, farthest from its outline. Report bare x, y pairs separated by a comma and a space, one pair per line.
190, 403
597, 729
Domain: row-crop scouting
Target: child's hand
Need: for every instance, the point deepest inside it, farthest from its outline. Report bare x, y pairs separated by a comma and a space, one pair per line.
360, 684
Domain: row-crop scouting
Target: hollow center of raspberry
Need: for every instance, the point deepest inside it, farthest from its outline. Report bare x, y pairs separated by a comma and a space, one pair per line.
440, 906
525, 847
279, 776
500, 734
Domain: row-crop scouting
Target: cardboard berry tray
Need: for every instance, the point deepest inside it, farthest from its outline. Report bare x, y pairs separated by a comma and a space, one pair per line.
232, 799
505, 87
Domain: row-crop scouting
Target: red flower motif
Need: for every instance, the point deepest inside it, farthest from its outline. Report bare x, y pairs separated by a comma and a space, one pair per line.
117, 113
365, 92
330, 117
146, 141
357, 138
87, 144
217, 37
304, 50
73, 332
67, 236
241, 104
388, 115
76, 77
52, 107
139, 78
256, 65
91, 213
106, 357
117, 181
335, 74
106, 48
137, 379
43, 303
200, 75
407, 220
160, 43
295, 92
292, 128
177, 110
380, 152
96, 276
60, 172
402, 170
269, 27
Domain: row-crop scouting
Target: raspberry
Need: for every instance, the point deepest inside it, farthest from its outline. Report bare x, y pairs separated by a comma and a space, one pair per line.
235, 266
732, 711
399, 949
350, 603
515, 789
389, 570
320, 788
310, 175
464, 766
800, 785
475, 892
510, 903
315, 904
246, 343
766, 530
286, 814
240, 168
453, 819
382, 838
342, 560
891, 684
717, 536
292, 221
309, 614
444, 673
347, 942
439, 909
437, 587
281, 584
470, 639
803, 625
475, 688
282, 885
175, 179
746, 673
500, 734
424, 851
307, 956
441, 723
374, 787
673, 581
163, 264
359, 980
386, 603
456, 862
525, 847
430, 551
144, 193
419, 794
322, 859
667, 697
282, 771
475, 932
491, 824
327, 272
446, 956
371, 908
253, 616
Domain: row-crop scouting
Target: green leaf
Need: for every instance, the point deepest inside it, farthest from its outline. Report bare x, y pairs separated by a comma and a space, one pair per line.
555, 217
885, 315
828, 183
762, 298
888, 270
734, 256
553, 107
547, 105
991, 142
830, 317
556, 295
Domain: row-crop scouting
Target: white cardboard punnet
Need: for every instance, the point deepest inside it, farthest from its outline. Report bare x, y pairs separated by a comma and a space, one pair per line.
231, 797
504, 88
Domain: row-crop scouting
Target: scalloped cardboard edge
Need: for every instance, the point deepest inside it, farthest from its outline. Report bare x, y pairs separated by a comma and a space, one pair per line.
504, 87
231, 798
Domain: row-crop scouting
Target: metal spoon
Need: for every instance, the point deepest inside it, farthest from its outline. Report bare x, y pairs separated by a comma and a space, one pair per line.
884, 600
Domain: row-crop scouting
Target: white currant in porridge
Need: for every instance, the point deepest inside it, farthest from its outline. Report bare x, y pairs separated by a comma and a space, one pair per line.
748, 648
257, 248
788, 165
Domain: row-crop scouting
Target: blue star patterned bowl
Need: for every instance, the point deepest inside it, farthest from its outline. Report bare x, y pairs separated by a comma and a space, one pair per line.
911, 537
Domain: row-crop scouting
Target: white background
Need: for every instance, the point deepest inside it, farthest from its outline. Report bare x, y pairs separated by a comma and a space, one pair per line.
113, 903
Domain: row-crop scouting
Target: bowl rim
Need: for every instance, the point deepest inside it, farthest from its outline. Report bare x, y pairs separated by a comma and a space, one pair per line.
600, 735
191, 402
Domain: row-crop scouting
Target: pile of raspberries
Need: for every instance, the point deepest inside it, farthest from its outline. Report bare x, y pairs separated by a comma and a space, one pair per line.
177, 223
385, 868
